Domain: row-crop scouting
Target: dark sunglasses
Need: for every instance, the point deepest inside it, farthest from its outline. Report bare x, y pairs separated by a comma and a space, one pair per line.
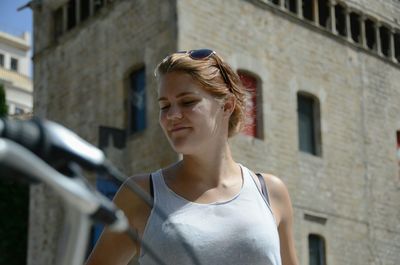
202, 54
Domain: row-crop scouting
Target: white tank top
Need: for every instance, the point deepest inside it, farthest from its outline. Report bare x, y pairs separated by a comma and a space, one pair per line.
239, 231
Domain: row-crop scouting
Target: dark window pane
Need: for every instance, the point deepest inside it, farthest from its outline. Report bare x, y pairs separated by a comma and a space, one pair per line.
370, 33
14, 64
19, 111
2, 60
137, 101
398, 139
355, 27
85, 9
397, 46
306, 124
316, 248
98, 4
291, 5
58, 22
71, 14
276, 2
340, 20
308, 10
384, 33
323, 12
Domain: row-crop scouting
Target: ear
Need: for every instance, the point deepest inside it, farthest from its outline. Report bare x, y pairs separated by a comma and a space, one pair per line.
229, 105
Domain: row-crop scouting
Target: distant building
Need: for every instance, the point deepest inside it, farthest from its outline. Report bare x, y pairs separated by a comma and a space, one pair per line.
14, 72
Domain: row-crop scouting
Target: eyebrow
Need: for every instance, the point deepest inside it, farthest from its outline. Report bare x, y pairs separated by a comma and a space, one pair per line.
178, 96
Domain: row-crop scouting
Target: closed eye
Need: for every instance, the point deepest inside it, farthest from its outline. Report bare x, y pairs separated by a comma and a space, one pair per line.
165, 107
188, 103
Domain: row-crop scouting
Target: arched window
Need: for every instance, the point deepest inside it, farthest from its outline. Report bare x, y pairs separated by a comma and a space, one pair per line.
253, 125
308, 111
316, 247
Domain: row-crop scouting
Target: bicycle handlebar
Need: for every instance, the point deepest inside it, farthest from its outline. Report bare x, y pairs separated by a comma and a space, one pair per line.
73, 190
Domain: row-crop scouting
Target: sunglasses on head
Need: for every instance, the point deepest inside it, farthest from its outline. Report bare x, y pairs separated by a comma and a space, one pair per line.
202, 54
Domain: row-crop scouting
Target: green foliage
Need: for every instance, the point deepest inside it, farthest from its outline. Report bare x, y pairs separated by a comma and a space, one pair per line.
14, 210
3, 104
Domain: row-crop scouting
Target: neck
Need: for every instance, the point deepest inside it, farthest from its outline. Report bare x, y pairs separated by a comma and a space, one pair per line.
212, 168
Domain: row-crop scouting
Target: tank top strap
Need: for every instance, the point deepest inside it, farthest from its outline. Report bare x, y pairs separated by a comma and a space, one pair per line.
251, 185
163, 197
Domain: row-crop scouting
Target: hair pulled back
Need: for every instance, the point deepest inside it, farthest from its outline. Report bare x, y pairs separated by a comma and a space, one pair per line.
207, 72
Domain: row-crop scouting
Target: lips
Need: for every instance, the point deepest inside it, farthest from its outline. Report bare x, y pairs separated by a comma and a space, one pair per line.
177, 128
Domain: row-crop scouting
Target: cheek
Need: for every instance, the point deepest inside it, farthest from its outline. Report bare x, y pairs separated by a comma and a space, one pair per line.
162, 120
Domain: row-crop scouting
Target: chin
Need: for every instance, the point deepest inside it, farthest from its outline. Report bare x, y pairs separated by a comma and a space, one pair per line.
183, 147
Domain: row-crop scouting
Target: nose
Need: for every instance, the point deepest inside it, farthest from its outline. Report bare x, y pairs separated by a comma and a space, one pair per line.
174, 112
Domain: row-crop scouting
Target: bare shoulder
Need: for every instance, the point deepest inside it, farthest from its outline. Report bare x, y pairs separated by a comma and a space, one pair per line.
279, 195
275, 185
126, 199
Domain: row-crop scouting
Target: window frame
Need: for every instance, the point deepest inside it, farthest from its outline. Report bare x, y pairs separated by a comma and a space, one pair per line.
2, 60
321, 249
259, 123
12, 61
129, 109
316, 121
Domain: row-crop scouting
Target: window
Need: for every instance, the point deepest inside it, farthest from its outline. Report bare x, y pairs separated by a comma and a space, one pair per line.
71, 11
1, 60
85, 9
370, 33
355, 27
323, 13
397, 46
58, 18
384, 34
18, 111
340, 20
309, 124
291, 5
14, 64
276, 2
308, 10
253, 125
137, 101
98, 4
316, 246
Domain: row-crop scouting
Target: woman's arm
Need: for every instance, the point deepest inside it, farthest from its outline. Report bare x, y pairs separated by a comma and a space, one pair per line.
117, 248
283, 211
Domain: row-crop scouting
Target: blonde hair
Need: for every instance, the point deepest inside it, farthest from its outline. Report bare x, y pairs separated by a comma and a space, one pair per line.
216, 77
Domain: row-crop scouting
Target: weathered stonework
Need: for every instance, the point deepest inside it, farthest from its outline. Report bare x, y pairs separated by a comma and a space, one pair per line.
355, 184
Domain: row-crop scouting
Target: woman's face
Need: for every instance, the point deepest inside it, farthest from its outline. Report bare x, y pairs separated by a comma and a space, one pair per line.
191, 118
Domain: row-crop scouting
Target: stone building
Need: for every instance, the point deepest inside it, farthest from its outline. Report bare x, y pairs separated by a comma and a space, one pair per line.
15, 64
325, 80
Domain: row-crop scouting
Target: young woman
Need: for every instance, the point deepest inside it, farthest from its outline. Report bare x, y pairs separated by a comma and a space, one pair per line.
215, 210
